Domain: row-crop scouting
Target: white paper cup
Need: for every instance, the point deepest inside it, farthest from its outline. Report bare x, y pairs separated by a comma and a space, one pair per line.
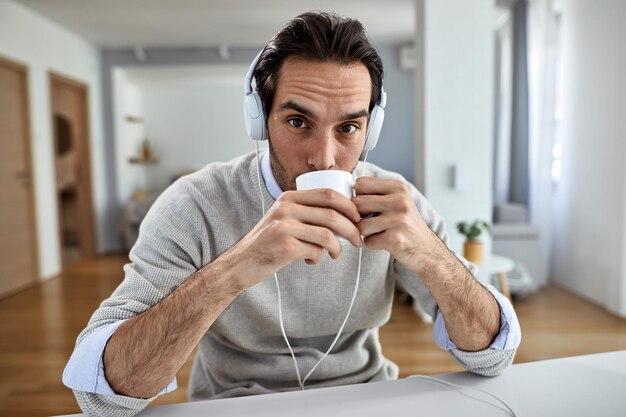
340, 181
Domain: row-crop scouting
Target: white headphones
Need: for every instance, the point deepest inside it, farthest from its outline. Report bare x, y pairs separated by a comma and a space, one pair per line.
254, 114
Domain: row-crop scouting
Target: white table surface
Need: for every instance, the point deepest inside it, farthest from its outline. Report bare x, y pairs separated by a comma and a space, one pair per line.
585, 386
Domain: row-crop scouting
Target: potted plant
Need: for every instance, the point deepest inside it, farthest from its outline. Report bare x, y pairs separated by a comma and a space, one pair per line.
473, 249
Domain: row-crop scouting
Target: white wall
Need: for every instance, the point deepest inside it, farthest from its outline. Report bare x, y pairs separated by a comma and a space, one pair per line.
457, 95
192, 116
590, 211
128, 101
44, 46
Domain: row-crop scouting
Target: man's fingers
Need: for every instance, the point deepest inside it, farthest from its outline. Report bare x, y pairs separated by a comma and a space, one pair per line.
383, 204
312, 254
335, 222
332, 221
311, 219
324, 198
374, 225
368, 204
320, 237
376, 242
379, 186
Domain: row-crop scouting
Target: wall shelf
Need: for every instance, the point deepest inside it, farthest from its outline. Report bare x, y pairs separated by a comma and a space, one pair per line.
134, 119
144, 161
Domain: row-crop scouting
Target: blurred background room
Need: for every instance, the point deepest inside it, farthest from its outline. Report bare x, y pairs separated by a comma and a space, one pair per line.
510, 112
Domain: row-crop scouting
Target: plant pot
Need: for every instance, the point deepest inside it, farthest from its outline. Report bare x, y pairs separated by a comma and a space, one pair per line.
473, 251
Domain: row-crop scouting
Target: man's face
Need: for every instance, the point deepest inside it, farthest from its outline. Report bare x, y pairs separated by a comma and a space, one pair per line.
318, 118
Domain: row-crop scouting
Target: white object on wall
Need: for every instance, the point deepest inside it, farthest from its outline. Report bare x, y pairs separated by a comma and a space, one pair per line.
459, 178
407, 57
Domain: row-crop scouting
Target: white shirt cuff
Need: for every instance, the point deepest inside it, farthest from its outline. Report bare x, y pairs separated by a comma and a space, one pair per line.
85, 369
508, 338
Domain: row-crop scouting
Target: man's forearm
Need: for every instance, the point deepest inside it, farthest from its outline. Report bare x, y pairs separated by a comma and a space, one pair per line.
471, 313
145, 353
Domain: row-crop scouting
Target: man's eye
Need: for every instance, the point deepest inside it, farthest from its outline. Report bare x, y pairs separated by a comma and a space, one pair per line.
297, 123
349, 128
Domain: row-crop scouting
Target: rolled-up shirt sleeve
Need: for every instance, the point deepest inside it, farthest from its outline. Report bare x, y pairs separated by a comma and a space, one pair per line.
85, 369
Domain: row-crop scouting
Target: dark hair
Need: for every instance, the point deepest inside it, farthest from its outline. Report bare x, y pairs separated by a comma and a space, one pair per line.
321, 37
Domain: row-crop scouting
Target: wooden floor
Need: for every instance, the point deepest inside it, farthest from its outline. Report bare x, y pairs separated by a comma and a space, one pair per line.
39, 327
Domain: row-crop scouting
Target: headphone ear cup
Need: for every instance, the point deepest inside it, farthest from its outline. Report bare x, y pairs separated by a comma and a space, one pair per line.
254, 116
374, 127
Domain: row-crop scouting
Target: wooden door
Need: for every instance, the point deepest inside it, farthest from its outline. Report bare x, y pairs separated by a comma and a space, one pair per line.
18, 242
69, 100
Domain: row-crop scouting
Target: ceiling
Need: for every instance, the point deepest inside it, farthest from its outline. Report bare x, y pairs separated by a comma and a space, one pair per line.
181, 23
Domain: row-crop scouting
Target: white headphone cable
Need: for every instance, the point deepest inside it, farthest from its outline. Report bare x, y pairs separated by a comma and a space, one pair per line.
258, 176
280, 310
460, 388
356, 288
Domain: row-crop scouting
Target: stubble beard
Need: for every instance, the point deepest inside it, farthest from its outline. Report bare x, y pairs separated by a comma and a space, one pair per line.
280, 172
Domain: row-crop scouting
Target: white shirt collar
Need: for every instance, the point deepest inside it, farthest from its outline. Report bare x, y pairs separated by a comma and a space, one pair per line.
268, 176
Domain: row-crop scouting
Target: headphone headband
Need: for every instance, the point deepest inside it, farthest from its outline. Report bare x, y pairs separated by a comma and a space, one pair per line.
247, 87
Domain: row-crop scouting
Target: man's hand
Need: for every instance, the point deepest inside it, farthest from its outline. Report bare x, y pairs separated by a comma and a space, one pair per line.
397, 225
147, 351
471, 314
300, 225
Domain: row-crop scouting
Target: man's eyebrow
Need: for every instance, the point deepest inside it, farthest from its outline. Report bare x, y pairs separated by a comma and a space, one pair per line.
355, 115
290, 105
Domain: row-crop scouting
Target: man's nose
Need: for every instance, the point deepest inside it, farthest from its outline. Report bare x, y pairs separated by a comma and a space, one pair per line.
322, 152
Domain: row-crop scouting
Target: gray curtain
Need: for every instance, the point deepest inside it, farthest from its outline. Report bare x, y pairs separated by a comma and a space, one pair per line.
511, 123
520, 178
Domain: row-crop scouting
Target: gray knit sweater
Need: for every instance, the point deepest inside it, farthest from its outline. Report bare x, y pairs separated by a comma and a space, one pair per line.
243, 353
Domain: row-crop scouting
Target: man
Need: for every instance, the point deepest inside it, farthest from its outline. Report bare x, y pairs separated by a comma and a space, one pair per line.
198, 273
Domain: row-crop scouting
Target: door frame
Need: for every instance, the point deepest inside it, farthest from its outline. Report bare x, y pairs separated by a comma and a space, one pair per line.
55, 78
28, 156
